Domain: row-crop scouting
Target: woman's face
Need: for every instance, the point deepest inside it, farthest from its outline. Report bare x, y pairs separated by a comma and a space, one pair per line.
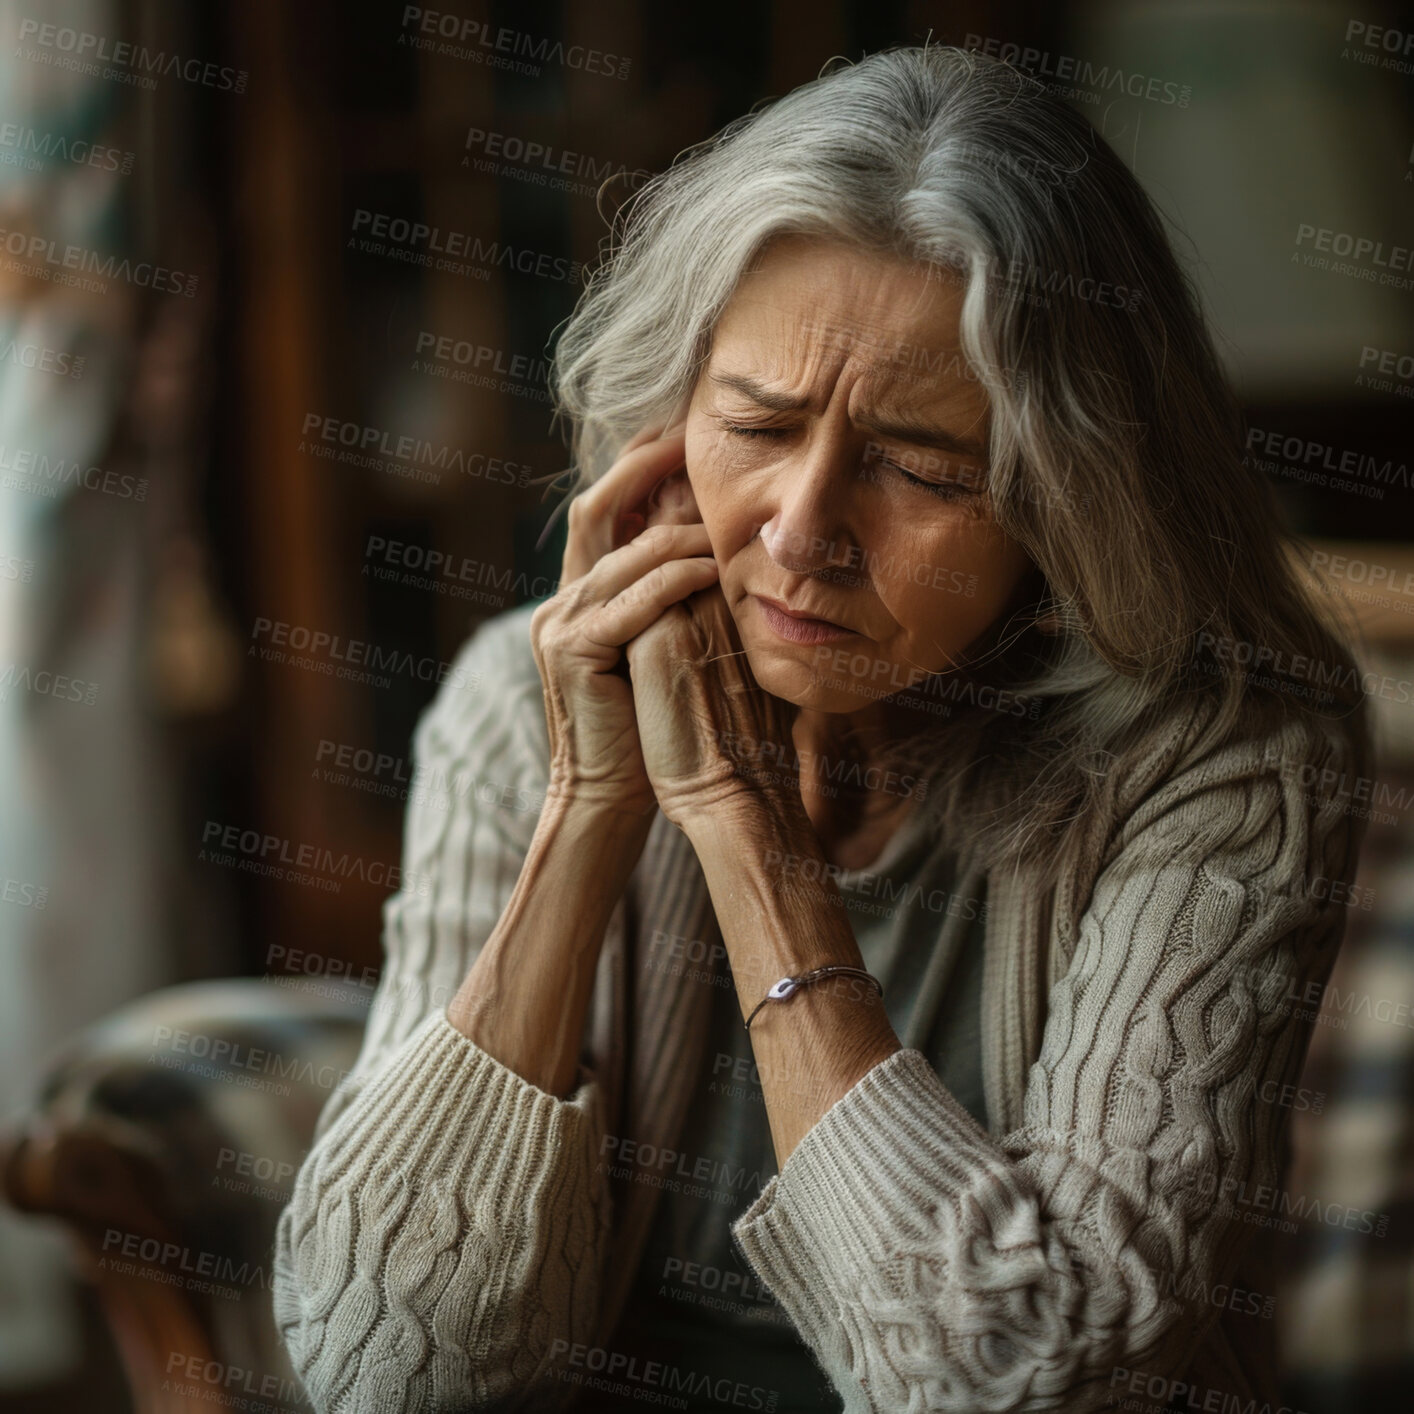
836, 449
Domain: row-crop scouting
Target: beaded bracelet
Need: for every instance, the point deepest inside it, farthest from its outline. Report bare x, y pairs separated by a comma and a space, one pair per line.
788, 986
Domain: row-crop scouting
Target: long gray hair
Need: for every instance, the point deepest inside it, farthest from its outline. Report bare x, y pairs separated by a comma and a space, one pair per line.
1115, 459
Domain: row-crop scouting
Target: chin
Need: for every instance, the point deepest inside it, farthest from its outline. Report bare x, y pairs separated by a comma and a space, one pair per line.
794, 677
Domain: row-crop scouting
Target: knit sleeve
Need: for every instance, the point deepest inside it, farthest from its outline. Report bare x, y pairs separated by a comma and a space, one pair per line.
930, 1266
448, 1225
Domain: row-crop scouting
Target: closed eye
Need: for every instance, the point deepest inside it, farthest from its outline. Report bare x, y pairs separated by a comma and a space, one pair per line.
947, 490
944, 490
743, 431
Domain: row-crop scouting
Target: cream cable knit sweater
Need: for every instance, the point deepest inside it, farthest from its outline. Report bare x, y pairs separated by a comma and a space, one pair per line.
454, 1239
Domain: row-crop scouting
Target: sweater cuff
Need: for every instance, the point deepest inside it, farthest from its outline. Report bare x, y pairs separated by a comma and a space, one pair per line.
444, 1110
872, 1168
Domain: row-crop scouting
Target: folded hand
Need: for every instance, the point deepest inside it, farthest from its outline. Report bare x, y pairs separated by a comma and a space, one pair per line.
711, 736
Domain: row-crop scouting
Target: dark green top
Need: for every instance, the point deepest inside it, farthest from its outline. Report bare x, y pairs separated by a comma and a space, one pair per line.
696, 1305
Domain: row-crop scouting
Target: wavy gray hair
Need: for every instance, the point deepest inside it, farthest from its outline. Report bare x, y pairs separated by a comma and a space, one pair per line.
1116, 454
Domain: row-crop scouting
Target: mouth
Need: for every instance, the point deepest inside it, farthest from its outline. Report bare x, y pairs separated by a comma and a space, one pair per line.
796, 627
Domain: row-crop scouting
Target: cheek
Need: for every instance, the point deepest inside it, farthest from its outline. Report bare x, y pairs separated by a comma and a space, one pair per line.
724, 509
697, 455
946, 586
999, 564
703, 467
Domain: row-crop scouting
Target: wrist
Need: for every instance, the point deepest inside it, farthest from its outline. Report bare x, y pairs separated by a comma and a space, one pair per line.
591, 800
780, 911
753, 820
811, 1051
845, 1015
593, 838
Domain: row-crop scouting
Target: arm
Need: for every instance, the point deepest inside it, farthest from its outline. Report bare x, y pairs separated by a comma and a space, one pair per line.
449, 1222
930, 1265
815, 1047
526, 997
445, 1237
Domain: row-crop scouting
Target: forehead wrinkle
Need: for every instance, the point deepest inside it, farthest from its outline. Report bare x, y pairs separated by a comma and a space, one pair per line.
789, 349
887, 393
790, 366
933, 425
863, 335
852, 307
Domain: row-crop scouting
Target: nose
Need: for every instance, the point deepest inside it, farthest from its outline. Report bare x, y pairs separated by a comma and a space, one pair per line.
811, 501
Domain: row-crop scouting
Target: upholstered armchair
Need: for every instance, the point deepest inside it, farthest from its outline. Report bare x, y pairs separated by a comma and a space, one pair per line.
165, 1140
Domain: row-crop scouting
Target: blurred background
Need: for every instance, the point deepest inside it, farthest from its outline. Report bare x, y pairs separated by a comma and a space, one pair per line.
278, 289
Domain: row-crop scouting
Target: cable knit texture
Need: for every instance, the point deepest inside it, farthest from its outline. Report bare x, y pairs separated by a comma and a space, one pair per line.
447, 1236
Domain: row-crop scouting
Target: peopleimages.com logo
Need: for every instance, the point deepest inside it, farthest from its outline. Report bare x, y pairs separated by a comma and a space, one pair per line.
457, 37
83, 51
34, 254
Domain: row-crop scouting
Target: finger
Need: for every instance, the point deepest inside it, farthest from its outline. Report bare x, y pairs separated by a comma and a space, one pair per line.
633, 476
654, 429
619, 569
629, 613
638, 503
672, 624
594, 527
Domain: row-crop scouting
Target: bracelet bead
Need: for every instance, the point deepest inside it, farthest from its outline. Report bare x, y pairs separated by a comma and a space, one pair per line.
787, 987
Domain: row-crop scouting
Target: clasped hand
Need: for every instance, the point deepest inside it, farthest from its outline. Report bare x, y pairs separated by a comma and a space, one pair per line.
649, 699
710, 734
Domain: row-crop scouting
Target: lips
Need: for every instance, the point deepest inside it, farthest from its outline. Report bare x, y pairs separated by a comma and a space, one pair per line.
801, 614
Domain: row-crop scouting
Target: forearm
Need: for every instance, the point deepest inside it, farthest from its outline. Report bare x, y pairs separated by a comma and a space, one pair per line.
814, 1047
381, 1263
525, 999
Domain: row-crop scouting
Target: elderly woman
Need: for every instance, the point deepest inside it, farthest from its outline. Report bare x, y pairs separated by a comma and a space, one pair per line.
896, 701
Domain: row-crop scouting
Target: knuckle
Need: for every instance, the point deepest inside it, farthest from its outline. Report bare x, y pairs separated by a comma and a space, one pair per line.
547, 621
656, 580
554, 645
644, 587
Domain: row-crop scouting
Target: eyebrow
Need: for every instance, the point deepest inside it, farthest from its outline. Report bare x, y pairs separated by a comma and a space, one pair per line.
902, 427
